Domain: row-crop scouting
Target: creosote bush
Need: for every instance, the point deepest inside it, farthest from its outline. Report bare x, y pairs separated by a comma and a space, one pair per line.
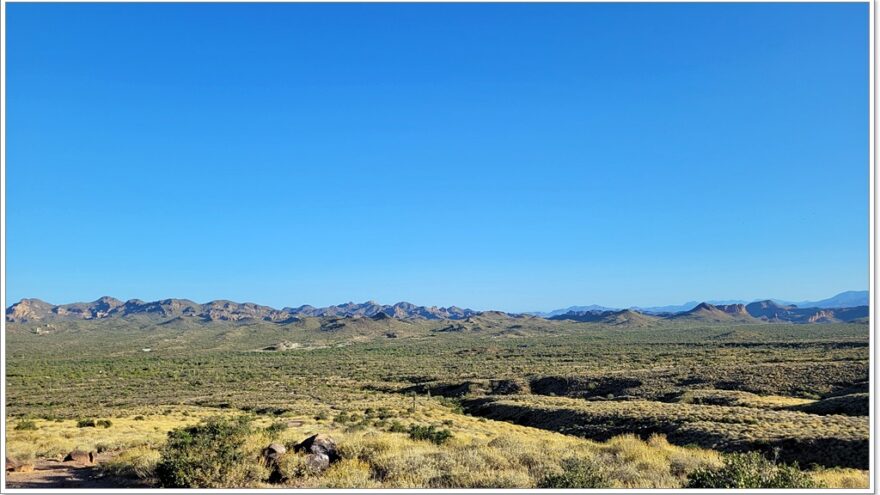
751, 470
430, 433
215, 453
397, 427
577, 473
25, 425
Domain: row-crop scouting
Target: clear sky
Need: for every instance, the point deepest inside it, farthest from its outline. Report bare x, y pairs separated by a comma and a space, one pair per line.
512, 157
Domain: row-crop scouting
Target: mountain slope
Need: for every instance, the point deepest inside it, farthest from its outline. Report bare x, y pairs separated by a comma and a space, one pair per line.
705, 312
848, 299
772, 311
571, 309
626, 317
221, 310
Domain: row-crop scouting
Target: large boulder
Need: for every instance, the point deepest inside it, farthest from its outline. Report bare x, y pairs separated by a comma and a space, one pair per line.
319, 444
317, 462
271, 455
80, 457
273, 452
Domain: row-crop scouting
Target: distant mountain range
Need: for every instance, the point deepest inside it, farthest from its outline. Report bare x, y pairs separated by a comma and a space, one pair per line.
844, 307
109, 307
756, 312
846, 299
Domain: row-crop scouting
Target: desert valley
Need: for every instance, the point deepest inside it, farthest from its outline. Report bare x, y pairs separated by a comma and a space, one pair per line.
139, 394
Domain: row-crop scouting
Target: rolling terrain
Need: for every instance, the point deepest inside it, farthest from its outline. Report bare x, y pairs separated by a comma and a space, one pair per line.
687, 390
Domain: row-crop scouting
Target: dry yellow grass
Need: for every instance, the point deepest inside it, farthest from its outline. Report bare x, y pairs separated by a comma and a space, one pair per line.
740, 398
843, 478
54, 439
482, 453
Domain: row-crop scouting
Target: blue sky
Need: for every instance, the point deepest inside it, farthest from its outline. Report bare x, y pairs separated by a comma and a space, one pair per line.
513, 157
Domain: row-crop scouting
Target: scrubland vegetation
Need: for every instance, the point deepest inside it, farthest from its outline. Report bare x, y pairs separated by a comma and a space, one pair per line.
507, 402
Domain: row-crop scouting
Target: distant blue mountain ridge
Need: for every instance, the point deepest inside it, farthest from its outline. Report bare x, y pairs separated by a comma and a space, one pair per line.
846, 299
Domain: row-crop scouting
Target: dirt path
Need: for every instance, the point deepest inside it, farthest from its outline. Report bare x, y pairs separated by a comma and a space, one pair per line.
55, 474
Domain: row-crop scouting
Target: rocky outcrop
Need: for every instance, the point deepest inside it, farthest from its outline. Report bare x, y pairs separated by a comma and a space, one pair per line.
28, 310
734, 309
822, 316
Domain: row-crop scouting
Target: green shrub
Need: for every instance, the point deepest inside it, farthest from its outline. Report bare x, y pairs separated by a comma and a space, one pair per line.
139, 418
104, 423
276, 428
751, 470
397, 427
577, 473
430, 433
85, 423
211, 454
26, 424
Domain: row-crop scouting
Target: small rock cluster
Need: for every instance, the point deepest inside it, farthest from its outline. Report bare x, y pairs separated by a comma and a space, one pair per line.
320, 451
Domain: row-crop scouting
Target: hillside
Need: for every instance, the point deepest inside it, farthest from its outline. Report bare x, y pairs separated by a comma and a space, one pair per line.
706, 312
626, 317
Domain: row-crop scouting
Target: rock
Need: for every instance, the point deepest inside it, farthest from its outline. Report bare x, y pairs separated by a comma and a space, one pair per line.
273, 452
80, 456
319, 444
317, 462
18, 467
271, 455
